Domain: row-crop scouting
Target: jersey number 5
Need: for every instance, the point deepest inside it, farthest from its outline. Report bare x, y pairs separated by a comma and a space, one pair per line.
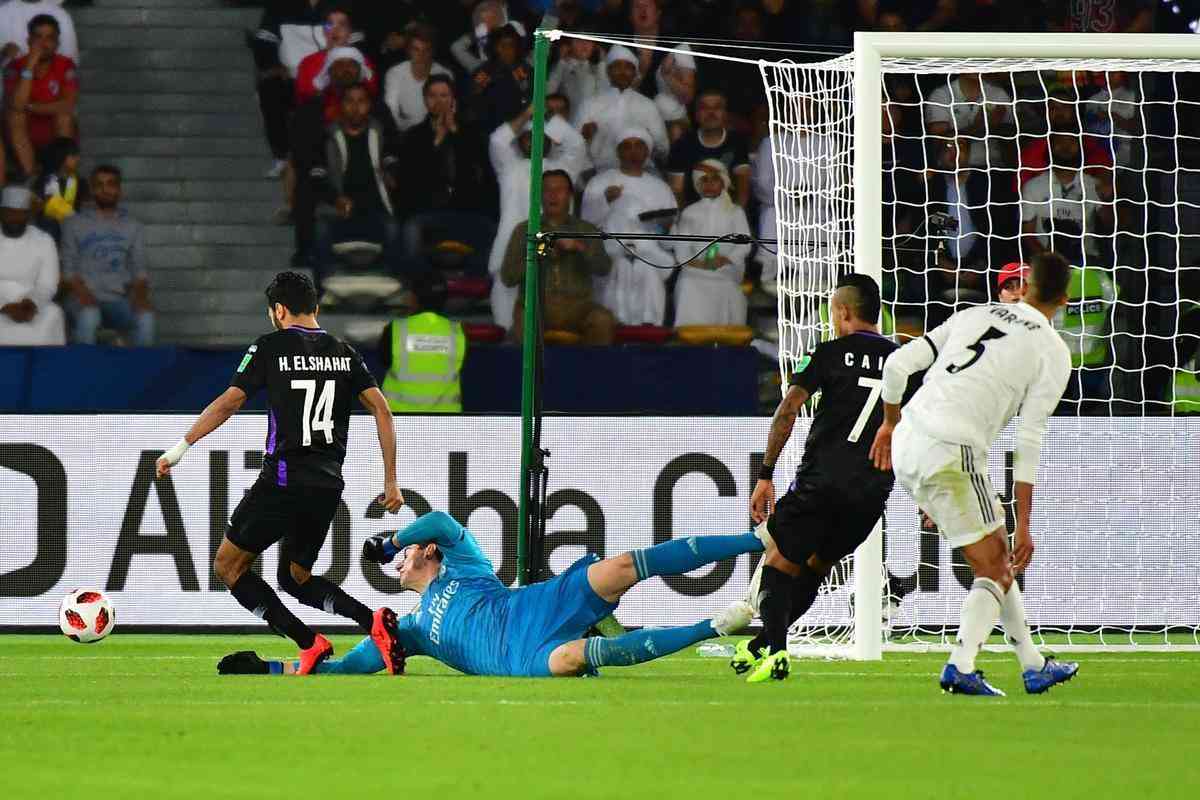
876, 387
990, 333
322, 415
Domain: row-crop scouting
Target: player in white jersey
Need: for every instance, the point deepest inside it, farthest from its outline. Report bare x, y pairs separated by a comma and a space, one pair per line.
985, 365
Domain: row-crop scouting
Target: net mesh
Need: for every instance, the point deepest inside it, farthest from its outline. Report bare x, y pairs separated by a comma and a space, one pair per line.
985, 162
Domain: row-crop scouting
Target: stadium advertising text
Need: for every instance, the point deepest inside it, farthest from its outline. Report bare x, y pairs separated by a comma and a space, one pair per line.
82, 509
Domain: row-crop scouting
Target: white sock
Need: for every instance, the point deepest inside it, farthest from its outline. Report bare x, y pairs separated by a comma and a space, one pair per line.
1016, 629
979, 613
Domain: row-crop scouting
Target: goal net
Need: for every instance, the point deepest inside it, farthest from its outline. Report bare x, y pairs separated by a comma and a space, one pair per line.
933, 172
934, 161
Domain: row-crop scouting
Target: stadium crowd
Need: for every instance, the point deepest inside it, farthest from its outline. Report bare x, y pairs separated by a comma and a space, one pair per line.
407, 126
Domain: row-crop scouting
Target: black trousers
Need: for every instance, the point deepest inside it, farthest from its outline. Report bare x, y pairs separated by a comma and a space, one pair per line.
276, 100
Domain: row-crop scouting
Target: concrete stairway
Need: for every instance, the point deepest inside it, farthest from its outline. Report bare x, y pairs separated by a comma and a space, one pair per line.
167, 94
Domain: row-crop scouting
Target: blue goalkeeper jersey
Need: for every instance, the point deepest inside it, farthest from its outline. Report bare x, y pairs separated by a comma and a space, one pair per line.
462, 617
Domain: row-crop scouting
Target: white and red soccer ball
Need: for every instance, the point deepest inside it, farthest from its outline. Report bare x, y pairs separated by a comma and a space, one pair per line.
86, 616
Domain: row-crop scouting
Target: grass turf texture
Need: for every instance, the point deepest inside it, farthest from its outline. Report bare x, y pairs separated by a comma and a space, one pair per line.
147, 716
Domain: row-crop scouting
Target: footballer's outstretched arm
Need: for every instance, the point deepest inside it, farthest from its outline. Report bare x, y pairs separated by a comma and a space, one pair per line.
902, 364
213, 417
374, 401
457, 544
762, 499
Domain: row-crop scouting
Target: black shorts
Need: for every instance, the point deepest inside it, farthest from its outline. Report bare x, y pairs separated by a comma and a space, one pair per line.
812, 519
299, 515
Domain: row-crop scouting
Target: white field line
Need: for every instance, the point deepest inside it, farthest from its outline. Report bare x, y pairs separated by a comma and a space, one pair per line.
774, 701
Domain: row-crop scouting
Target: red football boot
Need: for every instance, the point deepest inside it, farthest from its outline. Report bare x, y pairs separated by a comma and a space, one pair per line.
383, 633
309, 659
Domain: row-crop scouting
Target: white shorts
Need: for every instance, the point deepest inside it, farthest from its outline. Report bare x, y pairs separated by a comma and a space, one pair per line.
949, 482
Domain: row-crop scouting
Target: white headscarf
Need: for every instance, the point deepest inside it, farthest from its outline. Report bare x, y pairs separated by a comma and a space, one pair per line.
635, 132
321, 82
670, 105
621, 53
723, 198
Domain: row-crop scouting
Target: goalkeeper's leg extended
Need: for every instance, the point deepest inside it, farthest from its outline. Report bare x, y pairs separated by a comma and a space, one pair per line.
611, 578
363, 659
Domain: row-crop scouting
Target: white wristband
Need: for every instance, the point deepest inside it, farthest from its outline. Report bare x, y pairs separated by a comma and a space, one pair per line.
176, 453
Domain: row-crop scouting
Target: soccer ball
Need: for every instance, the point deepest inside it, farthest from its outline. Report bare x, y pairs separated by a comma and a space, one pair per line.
86, 616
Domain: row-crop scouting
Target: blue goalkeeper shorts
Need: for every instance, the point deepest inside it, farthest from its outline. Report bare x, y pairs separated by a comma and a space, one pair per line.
545, 615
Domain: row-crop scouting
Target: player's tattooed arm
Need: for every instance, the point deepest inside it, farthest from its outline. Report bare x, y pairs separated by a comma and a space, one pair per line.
782, 423
762, 499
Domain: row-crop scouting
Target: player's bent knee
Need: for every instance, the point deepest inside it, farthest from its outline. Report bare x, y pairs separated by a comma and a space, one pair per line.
778, 561
567, 660
299, 574
819, 566
612, 577
231, 562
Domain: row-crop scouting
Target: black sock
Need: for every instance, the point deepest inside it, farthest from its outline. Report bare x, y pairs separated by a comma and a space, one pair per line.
804, 591
317, 592
775, 607
259, 599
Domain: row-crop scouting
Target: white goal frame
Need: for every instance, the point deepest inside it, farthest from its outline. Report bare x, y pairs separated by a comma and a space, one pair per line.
869, 50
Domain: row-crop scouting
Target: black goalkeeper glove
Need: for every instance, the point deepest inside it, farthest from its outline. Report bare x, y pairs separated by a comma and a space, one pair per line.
379, 549
244, 662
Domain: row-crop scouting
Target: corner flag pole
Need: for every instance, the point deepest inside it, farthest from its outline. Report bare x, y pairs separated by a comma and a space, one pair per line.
530, 384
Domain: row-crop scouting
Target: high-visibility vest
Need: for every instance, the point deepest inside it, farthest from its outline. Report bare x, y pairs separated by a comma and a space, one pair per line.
1085, 323
1186, 390
427, 358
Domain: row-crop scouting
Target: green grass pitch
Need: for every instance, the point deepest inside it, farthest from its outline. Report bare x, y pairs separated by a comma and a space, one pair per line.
147, 717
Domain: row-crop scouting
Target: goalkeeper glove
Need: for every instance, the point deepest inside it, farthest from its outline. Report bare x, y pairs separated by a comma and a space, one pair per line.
380, 549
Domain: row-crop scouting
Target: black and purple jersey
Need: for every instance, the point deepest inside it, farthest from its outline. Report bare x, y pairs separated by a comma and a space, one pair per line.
312, 380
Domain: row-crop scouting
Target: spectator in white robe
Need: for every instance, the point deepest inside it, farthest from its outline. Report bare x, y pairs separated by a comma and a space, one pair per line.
605, 115
676, 92
633, 202
509, 148
808, 211
709, 288
634, 290
630, 176
580, 74
28, 277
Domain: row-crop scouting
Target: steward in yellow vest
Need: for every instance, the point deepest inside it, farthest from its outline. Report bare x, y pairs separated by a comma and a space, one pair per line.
1184, 391
424, 355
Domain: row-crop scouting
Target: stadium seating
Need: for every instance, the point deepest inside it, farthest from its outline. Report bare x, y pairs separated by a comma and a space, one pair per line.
168, 100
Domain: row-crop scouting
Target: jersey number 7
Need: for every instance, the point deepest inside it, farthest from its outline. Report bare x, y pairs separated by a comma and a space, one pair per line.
876, 387
977, 348
322, 415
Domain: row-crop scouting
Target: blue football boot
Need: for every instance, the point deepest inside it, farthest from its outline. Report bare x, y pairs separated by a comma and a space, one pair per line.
1053, 672
956, 682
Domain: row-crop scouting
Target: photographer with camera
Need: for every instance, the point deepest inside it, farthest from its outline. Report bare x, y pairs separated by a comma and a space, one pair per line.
971, 224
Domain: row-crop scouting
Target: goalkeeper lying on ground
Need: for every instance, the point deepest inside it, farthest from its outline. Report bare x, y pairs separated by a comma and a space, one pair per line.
468, 620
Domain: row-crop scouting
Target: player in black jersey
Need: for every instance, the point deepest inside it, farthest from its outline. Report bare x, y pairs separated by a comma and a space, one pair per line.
312, 380
837, 495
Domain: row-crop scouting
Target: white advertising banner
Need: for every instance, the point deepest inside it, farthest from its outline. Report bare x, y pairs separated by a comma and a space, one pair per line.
1117, 514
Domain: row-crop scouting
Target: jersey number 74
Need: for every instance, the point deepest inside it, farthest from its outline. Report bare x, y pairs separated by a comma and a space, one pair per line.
321, 418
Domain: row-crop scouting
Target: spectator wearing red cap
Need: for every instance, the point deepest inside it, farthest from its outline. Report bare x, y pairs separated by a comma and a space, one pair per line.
339, 31
1012, 282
